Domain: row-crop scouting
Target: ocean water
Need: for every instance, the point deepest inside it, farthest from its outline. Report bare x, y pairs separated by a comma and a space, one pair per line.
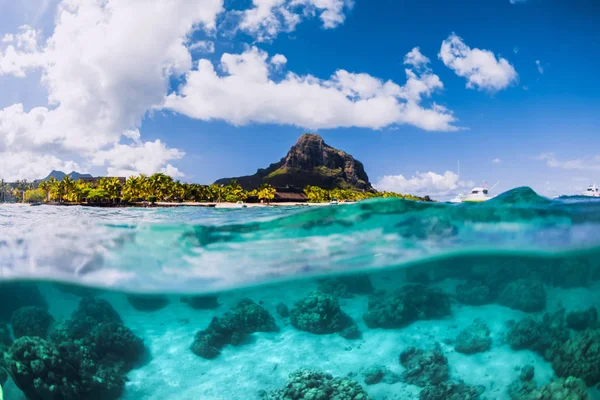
385, 299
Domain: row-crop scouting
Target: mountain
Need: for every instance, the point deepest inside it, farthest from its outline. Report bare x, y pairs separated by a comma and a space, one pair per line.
310, 162
59, 175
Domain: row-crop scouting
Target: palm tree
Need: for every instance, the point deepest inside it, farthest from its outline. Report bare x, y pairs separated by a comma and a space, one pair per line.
68, 184
112, 187
266, 192
45, 186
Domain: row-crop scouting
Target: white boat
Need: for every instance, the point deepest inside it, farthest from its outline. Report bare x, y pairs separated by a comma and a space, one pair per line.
240, 204
333, 201
592, 191
477, 195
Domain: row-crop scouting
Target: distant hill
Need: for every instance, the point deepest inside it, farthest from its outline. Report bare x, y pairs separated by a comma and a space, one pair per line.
59, 175
310, 162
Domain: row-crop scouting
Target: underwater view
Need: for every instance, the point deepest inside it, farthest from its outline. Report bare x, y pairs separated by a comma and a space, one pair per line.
384, 299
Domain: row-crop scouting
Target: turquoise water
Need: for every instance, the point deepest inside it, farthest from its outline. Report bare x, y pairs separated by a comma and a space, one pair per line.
386, 299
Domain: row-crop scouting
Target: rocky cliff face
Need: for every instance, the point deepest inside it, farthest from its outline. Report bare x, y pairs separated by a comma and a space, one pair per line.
310, 162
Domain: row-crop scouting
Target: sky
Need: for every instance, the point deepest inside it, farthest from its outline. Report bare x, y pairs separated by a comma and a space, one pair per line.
216, 88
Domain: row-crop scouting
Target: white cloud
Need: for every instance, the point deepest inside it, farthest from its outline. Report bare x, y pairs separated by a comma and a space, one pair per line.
481, 68
20, 52
516, 50
106, 64
204, 46
416, 59
31, 165
279, 59
267, 18
540, 68
423, 183
591, 163
246, 93
496, 161
146, 158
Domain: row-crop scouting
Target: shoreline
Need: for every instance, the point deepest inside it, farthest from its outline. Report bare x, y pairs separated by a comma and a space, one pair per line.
170, 205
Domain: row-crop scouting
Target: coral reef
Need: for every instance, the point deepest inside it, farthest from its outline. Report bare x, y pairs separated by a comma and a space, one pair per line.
147, 302
376, 374
5, 342
346, 286
306, 384
424, 367
474, 339
581, 320
91, 312
450, 390
87, 356
579, 357
320, 313
525, 388
40, 371
541, 336
232, 328
14, 295
406, 305
524, 295
561, 389
282, 310
208, 302
31, 321
474, 293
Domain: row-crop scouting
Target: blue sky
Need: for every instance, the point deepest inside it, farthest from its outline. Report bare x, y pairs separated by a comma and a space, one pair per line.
519, 93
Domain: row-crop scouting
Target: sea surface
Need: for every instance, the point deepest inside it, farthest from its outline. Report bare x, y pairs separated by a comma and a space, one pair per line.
385, 299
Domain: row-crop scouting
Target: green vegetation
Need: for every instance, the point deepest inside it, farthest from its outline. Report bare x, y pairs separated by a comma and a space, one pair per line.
316, 194
34, 196
162, 188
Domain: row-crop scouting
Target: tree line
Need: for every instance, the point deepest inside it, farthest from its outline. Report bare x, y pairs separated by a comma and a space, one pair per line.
162, 188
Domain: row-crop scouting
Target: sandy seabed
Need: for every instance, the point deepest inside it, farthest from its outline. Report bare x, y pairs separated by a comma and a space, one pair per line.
174, 372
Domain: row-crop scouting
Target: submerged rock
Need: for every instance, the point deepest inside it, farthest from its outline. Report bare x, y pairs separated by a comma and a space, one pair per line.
474, 293
31, 321
474, 339
580, 320
87, 357
92, 311
561, 389
5, 342
320, 313
346, 286
282, 310
306, 384
406, 305
424, 367
524, 295
525, 388
450, 390
579, 357
147, 302
232, 328
542, 336
208, 302
14, 295
377, 374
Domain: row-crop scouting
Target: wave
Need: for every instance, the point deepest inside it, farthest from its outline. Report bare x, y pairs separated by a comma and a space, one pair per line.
195, 250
